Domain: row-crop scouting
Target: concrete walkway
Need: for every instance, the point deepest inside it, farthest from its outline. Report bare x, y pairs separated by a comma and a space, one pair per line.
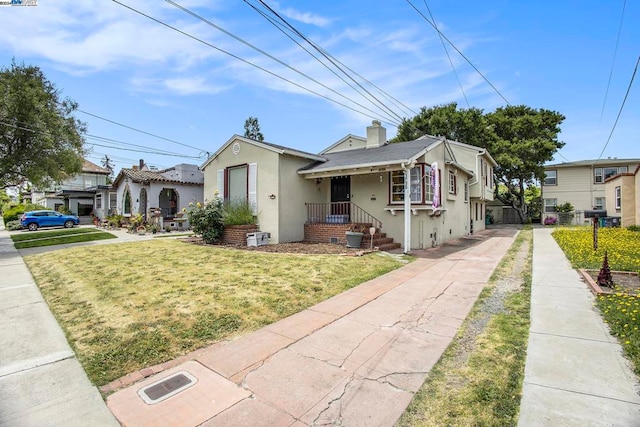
356, 359
575, 373
41, 381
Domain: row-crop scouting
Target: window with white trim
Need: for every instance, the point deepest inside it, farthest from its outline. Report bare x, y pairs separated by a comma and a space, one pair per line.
466, 190
113, 202
453, 185
551, 177
599, 203
618, 198
549, 205
98, 201
420, 189
600, 175
238, 184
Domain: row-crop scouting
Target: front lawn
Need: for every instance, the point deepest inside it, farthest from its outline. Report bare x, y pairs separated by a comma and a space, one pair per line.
620, 310
34, 239
131, 305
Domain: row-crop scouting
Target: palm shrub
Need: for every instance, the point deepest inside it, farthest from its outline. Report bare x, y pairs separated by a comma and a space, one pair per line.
206, 220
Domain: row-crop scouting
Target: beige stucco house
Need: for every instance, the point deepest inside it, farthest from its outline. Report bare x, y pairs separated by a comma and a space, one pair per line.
139, 190
622, 194
76, 193
302, 196
582, 184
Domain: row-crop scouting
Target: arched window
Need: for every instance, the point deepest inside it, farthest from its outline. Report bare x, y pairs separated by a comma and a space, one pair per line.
127, 203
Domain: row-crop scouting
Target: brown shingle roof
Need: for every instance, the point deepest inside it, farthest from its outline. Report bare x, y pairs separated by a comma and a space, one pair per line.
88, 166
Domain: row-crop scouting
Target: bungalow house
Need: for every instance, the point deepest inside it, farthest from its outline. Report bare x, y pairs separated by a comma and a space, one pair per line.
583, 184
76, 193
622, 195
139, 190
316, 197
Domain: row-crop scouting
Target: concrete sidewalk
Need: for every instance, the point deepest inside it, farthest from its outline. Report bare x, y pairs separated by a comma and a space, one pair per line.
575, 373
41, 381
356, 359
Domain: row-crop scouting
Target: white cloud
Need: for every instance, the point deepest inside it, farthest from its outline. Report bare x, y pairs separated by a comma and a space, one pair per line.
306, 17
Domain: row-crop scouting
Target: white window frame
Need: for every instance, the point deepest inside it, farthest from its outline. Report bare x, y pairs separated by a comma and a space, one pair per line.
421, 191
618, 191
599, 203
548, 180
452, 182
98, 201
549, 207
466, 191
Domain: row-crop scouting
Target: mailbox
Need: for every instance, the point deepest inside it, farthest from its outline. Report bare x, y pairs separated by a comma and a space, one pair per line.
598, 213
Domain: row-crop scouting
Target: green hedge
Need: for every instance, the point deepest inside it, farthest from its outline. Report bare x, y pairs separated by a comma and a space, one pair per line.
14, 213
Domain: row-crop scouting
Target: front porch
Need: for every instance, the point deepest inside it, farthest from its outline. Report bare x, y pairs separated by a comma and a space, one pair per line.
329, 222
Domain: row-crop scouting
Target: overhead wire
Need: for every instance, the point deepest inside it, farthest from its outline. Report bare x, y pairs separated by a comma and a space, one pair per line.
460, 52
279, 26
268, 55
620, 110
245, 61
444, 46
330, 58
613, 61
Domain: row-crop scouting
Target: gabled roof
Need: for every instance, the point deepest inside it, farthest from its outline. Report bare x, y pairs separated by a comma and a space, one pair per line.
596, 162
280, 149
346, 138
88, 166
368, 158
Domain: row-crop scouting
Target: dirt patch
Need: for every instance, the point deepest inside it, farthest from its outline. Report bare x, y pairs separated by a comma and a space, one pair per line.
622, 280
291, 248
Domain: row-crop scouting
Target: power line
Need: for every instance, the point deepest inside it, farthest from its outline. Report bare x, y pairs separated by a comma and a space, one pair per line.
327, 56
613, 61
268, 55
458, 50
141, 131
245, 61
621, 107
444, 46
279, 26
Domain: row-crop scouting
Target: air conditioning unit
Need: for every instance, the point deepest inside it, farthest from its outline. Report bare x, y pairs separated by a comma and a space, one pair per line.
258, 238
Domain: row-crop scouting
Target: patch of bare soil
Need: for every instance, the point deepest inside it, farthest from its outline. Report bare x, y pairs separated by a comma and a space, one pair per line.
511, 280
626, 281
292, 248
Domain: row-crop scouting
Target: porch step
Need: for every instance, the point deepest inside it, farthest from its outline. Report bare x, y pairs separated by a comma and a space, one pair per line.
381, 241
389, 246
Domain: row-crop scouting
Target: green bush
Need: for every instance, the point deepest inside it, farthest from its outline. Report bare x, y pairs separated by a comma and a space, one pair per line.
14, 213
12, 225
238, 213
635, 228
64, 211
206, 220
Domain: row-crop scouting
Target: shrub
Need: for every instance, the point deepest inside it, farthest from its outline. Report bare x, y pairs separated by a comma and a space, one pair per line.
13, 225
206, 220
238, 213
64, 211
550, 220
564, 208
635, 228
14, 213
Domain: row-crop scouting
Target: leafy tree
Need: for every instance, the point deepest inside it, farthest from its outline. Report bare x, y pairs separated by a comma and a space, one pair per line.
252, 129
524, 140
40, 140
468, 126
520, 139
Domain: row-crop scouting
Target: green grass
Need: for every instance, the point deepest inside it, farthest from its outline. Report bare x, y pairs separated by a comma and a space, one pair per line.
31, 235
620, 310
127, 306
38, 240
478, 380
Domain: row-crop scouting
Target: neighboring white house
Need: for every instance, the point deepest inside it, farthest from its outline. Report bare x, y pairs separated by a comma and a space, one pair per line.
622, 193
77, 193
582, 183
298, 196
139, 190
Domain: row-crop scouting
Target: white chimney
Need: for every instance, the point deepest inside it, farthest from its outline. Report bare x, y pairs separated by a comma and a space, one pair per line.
376, 135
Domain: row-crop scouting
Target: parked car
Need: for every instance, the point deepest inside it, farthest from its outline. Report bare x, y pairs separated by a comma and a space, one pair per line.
35, 219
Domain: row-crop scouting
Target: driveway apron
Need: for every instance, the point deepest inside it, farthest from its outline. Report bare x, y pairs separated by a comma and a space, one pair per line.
356, 359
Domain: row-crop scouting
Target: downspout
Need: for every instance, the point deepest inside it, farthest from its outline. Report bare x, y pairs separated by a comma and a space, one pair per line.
406, 247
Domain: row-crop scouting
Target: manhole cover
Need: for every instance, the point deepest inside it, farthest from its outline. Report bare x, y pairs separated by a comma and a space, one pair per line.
167, 387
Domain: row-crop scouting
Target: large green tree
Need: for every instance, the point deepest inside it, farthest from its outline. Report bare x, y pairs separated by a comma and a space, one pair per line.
520, 139
40, 140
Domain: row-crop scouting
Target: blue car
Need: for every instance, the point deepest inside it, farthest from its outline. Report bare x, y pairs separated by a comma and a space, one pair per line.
35, 219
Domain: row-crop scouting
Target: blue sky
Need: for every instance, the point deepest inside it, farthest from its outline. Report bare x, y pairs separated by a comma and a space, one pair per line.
124, 67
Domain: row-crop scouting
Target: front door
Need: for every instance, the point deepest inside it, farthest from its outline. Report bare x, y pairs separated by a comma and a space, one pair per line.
340, 192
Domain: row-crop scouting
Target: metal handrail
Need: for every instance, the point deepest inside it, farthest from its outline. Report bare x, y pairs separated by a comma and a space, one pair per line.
339, 213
